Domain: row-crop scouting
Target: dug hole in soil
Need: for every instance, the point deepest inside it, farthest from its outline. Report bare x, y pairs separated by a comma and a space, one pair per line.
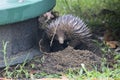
60, 58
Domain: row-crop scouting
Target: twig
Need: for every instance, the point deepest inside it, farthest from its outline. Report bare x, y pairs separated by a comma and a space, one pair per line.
53, 36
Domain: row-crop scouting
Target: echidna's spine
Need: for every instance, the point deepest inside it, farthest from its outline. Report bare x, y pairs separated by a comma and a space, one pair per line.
71, 24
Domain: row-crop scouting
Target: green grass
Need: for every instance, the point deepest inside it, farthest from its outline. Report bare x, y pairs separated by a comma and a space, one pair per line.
18, 70
94, 74
86, 6
5, 58
89, 10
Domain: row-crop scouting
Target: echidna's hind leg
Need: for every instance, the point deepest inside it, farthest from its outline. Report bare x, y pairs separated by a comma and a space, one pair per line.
74, 43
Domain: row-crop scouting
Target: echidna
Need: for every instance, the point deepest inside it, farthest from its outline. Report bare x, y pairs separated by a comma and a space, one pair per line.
68, 27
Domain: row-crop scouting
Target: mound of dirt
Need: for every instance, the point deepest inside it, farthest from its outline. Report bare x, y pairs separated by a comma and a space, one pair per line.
57, 62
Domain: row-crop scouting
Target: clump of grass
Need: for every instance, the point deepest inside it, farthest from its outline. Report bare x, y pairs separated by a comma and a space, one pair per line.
4, 51
45, 75
84, 74
18, 71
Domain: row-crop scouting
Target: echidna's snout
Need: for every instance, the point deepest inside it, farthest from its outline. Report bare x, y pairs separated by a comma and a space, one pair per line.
61, 40
60, 36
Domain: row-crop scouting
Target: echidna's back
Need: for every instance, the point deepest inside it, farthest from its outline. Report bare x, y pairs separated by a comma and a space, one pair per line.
70, 24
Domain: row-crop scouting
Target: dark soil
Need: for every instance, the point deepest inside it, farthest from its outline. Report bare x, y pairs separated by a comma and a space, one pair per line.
57, 62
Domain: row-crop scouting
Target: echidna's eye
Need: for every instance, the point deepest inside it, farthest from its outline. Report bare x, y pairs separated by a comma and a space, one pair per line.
50, 35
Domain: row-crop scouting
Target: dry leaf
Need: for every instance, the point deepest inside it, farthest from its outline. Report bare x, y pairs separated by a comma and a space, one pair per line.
112, 44
5, 79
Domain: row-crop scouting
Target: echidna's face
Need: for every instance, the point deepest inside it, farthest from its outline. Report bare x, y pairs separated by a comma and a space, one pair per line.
60, 36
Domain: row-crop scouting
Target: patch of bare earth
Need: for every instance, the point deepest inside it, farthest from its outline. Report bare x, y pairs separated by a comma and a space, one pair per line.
57, 62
